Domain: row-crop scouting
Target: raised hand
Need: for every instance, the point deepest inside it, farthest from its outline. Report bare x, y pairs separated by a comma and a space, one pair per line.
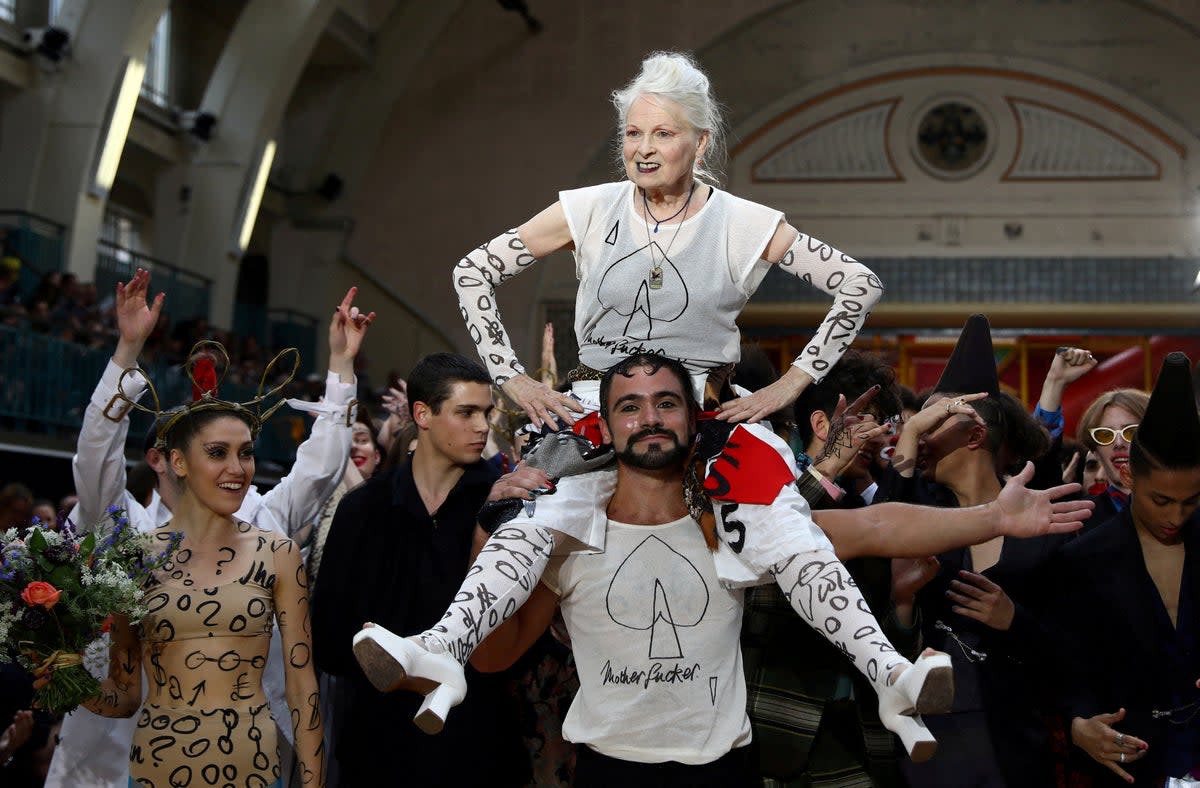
1024, 513
849, 429
395, 401
925, 421
549, 370
1070, 364
1069, 472
347, 328
136, 318
540, 402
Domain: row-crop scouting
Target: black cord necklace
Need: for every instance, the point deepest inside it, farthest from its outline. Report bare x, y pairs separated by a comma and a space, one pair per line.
655, 277
657, 221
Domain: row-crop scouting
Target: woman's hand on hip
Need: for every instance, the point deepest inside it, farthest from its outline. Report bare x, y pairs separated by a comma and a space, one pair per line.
755, 407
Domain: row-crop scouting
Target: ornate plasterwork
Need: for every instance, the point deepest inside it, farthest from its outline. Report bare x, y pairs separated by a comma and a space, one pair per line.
1059, 145
850, 146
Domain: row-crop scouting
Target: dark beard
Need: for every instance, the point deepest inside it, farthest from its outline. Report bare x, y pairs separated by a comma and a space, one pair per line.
654, 458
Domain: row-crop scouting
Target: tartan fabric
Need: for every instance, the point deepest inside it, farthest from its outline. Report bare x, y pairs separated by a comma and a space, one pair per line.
814, 716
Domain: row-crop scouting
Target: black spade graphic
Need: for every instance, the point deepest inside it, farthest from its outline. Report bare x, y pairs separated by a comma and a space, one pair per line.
656, 588
625, 289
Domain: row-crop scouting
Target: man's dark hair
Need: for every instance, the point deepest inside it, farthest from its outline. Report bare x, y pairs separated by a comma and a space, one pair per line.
909, 399
432, 378
854, 373
1013, 435
652, 363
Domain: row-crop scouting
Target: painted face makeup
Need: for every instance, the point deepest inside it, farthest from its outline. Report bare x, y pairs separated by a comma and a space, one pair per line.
218, 465
1114, 457
660, 147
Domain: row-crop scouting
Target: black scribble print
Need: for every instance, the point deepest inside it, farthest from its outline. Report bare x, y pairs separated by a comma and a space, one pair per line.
825, 595
625, 289
732, 526
855, 290
475, 280
839, 440
205, 643
657, 589
503, 576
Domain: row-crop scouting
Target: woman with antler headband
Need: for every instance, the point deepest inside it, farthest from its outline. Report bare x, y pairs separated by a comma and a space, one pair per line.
93, 751
205, 640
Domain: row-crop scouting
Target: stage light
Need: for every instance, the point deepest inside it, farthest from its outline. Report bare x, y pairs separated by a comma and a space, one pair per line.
116, 126
253, 198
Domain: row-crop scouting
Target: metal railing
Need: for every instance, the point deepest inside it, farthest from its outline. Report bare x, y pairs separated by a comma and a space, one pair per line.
294, 329
46, 382
1021, 280
188, 294
37, 242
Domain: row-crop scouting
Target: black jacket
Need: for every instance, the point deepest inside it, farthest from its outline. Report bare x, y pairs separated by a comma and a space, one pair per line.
1116, 643
1011, 684
388, 561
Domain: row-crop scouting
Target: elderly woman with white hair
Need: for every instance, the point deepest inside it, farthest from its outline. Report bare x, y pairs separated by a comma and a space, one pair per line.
666, 261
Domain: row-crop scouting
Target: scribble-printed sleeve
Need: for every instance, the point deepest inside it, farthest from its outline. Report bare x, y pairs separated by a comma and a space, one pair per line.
855, 290
295, 633
475, 280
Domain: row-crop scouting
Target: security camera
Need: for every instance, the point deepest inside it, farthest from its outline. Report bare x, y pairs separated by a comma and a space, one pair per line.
198, 123
52, 43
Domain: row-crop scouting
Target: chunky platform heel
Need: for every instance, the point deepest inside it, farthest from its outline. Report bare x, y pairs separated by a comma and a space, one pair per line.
925, 687
391, 662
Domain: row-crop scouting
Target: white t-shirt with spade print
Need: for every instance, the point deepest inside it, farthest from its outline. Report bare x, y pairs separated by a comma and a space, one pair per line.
656, 642
677, 291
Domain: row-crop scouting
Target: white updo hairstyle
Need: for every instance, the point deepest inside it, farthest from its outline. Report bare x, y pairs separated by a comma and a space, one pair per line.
675, 76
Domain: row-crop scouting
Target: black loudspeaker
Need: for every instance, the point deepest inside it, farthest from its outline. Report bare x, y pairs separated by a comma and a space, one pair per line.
331, 188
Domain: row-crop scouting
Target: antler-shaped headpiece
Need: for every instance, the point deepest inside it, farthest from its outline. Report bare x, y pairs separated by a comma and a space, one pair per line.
201, 369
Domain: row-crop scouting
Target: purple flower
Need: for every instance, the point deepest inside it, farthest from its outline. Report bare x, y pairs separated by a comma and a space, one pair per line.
59, 553
33, 618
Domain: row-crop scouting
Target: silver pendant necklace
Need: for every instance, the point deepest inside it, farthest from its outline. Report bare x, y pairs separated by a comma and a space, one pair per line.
655, 277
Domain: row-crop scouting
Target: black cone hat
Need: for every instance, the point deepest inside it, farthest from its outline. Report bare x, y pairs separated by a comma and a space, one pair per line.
972, 365
1170, 430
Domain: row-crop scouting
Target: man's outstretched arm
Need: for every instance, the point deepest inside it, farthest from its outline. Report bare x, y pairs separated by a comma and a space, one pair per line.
899, 530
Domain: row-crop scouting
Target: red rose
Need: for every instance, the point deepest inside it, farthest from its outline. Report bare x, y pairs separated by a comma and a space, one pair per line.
39, 593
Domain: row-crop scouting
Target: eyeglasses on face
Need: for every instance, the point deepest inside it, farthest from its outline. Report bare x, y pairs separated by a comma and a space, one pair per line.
1106, 435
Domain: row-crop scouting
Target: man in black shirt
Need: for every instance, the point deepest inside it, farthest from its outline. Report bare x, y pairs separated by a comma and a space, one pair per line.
396, 555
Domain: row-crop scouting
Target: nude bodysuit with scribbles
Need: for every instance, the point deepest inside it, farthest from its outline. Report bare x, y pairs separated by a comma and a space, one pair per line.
206, 720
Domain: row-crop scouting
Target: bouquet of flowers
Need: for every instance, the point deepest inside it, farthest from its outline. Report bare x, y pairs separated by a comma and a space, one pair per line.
58, 593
